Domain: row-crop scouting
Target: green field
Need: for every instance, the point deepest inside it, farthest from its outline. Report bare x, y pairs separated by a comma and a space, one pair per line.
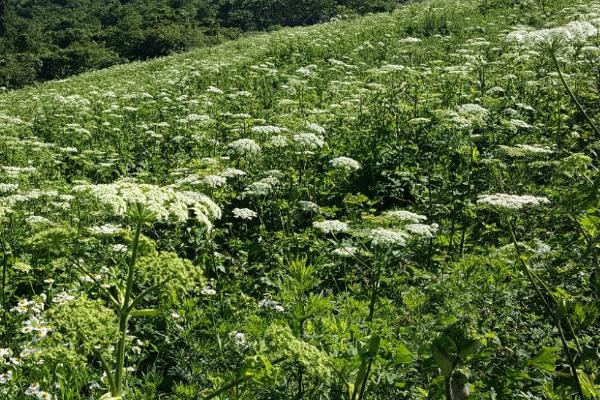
394, 206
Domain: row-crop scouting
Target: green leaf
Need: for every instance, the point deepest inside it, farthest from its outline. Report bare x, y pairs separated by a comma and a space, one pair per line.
588, 387
443, 360
470, 348
402, 354
546, 359
109, 396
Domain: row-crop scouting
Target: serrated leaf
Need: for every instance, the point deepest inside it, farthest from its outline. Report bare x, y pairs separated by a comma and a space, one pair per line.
470, 348
546, 359
443, 360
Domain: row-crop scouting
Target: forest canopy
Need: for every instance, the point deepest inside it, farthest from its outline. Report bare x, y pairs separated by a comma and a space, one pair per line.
49, 39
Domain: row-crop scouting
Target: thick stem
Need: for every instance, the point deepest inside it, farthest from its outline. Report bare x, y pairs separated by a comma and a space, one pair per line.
572, 95
374, 292
4, 315
535, 281
567, 350
448, 388
124, 312
361, 396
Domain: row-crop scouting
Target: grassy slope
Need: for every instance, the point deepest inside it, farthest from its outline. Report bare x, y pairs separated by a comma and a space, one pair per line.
363, 44
318, 42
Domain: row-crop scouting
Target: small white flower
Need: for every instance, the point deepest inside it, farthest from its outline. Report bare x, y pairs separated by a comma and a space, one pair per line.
63, 297
105, 230
232, 173
239, 339
208, 291
6, 377
272, 304
345, 252
119, 248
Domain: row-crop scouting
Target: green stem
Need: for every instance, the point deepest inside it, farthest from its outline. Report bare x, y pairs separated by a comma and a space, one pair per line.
144, 293
361, 396
124, 312
4, 315
572, 95
234, 383
534, 280
109, 375
374, 293
565, 345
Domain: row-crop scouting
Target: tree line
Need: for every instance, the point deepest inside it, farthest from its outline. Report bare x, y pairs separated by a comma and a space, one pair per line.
49, 39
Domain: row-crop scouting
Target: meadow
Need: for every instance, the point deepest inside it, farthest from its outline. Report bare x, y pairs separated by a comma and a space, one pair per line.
395, 206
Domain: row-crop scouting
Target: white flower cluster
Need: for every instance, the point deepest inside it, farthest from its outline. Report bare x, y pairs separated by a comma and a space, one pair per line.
410, 40
309, 207
38, 220
278, 141
244, 147
345, 163
405, 216
308, 141
105, 230
6, 377
164, 203
244, 213
62, 297
345, 252
575, 31
268, 130
525, 150
316, 128
331, 226
232, 173
423, 230
511, 201
239, 339
35, 325
8, 187
381, 237
25, 306
34, 391
264, 187
272, 304
208, 291
215, 181
473, 112
16, 171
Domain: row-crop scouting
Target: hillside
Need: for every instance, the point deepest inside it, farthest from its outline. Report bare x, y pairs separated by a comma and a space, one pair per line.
42, 40
394, 206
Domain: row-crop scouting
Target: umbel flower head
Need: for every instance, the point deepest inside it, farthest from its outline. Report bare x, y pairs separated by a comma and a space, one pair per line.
244, 147
345, 163
331, 226
575, 31
511, 201
164, 203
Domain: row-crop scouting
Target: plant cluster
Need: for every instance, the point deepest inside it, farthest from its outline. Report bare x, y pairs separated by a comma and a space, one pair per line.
398, 206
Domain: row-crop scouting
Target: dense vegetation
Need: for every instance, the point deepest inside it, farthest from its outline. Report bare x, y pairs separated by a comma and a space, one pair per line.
48, 39
397, 206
